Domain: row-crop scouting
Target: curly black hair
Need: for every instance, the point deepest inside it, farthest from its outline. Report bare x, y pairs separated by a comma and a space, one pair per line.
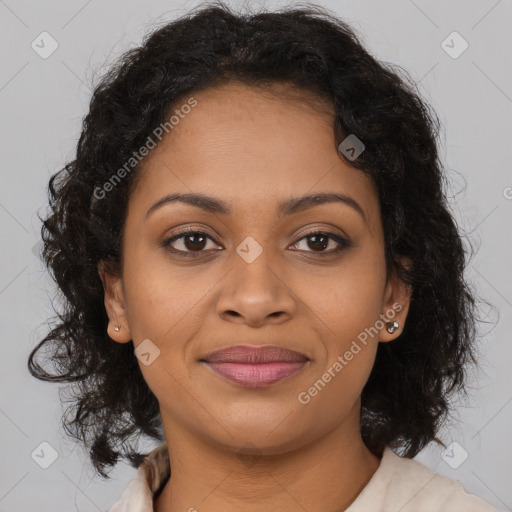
407, 396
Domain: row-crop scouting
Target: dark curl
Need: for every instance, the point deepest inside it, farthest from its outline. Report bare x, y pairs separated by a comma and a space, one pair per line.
407, 396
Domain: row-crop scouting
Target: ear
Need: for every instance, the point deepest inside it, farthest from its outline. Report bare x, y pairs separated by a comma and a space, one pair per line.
397, 298
114, 304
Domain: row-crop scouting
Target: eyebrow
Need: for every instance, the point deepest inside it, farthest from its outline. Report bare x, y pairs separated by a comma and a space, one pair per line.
288, 207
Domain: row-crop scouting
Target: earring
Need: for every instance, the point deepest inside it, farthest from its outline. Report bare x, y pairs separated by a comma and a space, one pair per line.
116, 328
392, 326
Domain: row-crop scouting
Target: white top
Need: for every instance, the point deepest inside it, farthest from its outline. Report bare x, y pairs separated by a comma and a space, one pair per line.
399, 484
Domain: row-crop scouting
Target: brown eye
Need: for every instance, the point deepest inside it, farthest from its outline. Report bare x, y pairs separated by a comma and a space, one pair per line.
319, 241
188, 241
194, 242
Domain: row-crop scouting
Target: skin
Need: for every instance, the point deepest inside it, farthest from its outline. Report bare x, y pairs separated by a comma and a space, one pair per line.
254, 150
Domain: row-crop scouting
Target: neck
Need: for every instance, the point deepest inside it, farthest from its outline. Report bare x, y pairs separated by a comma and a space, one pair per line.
327, 474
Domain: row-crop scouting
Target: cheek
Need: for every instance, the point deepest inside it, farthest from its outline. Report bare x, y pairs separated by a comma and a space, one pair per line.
339, 387
158, 296
346, 322
167, 308
353, 300
347, 318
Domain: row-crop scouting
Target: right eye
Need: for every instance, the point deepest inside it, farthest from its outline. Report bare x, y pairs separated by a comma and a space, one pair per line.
190, 241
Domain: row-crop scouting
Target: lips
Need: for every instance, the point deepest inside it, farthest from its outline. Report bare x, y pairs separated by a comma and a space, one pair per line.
253, 366
255, 355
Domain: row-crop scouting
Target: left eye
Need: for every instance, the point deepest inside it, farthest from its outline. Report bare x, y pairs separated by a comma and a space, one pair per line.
320, 241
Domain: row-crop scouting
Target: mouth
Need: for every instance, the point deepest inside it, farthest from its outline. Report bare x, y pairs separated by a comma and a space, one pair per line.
253, 366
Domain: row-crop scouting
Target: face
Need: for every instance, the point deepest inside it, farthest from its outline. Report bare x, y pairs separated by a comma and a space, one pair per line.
259, 268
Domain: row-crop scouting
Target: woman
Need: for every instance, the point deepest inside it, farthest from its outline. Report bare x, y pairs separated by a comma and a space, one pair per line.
261, 271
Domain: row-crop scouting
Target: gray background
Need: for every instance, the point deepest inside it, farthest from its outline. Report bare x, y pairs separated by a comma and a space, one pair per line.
42, 103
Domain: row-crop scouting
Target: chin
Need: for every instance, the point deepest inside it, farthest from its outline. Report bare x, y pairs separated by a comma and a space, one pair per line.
271, 436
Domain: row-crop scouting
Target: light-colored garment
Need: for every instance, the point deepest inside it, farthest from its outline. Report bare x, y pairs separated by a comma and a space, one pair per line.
399, 484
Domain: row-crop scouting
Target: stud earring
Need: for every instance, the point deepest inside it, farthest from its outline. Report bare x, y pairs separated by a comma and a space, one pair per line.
392, 326
116, 328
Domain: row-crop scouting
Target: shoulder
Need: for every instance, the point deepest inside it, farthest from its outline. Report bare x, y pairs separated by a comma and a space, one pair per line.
151, 476
433, 491
409, 486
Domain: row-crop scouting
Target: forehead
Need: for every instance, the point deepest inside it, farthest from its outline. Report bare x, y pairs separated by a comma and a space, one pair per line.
251, 148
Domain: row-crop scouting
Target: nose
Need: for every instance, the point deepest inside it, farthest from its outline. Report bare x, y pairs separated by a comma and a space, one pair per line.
256, 293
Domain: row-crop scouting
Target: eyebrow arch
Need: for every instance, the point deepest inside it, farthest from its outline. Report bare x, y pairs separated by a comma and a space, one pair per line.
288, 207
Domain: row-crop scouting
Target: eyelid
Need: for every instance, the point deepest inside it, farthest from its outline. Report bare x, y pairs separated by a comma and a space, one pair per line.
326, 230
191, 229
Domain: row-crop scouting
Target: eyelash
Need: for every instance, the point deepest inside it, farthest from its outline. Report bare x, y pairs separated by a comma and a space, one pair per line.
343, 242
